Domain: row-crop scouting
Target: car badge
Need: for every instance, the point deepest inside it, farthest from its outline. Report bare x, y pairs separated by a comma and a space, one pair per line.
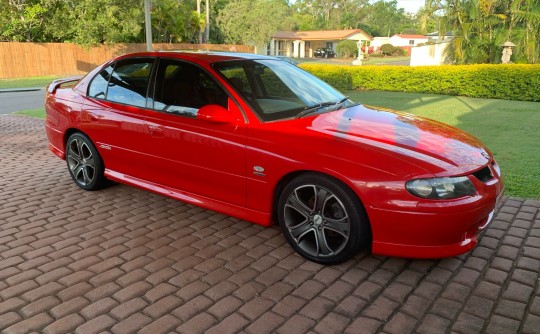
258, 170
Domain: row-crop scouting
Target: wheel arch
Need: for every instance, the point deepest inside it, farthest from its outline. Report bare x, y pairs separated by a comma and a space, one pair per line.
285, 179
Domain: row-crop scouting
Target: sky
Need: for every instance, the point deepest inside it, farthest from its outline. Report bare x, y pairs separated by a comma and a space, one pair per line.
410, 5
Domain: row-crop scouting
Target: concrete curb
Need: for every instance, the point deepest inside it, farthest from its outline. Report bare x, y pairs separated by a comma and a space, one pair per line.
16, 90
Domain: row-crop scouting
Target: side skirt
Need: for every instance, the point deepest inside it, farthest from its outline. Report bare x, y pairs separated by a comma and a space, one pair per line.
257, 217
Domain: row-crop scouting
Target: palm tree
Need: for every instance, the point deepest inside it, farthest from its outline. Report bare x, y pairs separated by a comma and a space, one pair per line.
481, 26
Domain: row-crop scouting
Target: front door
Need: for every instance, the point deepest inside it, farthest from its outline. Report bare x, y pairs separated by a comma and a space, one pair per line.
190, 154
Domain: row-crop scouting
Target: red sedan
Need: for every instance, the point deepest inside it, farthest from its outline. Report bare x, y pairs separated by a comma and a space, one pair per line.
260, 139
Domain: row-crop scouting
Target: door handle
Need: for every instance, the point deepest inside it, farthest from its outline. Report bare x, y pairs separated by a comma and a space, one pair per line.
155, 131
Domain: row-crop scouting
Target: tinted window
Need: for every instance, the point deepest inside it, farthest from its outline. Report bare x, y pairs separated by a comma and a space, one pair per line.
98, 86
183, 88
277, 90
128, 83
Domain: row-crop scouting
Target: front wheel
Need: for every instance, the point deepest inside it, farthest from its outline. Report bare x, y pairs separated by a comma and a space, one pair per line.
84, 162
322, 219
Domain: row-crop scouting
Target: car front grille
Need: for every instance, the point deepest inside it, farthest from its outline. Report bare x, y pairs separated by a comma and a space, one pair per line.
484, 174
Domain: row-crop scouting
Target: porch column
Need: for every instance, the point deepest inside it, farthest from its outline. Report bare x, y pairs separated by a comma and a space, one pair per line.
296, 53
302, 49
272, 47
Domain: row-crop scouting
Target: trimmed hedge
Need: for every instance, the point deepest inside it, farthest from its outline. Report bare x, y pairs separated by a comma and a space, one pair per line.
508, 82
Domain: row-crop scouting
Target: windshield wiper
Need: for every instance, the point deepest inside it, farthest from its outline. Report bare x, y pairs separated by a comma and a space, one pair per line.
315, 108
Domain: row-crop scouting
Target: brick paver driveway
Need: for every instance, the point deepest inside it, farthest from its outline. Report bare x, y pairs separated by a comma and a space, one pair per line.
123, 260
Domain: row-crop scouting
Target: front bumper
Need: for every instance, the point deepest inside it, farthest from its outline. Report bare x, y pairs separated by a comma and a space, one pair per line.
435, 229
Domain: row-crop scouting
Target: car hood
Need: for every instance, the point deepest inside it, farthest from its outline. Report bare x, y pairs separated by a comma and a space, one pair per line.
449, 148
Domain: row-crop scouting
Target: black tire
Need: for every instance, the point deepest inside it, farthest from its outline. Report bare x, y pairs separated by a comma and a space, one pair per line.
328, 231
84, 163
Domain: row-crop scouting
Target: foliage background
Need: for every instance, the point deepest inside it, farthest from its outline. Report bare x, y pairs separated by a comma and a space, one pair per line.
231, 21
480, 27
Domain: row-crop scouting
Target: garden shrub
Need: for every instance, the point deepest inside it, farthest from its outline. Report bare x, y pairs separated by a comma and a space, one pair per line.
347, 49
387, 49
509, 82
338, 76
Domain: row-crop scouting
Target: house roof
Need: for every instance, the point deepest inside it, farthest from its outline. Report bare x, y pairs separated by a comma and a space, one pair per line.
436, 34
315, 35
405, 36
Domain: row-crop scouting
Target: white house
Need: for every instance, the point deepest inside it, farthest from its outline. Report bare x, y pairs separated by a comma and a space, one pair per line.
377, 42
301, 44
407, 40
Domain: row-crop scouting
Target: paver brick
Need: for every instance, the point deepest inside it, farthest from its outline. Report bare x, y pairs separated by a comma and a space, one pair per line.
159, 292
124, 260
400, 323
30, 324
225, 307
9, 318
468, 323
42, 305
131, 324
95, 325
433, 324
198, 324
162, 306
67, 307
64, 325
162, 325
266, 324
296, 324
532, 323
501, 325
98, 307
518, 292
363, 325
18, 289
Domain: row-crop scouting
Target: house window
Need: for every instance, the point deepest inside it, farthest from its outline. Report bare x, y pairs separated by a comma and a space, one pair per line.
281, 48
411, 41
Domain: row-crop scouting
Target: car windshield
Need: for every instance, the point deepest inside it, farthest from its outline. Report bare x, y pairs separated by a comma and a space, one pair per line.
278, 90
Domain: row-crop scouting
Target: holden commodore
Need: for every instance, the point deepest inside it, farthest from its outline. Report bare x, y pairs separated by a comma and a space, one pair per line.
260, 139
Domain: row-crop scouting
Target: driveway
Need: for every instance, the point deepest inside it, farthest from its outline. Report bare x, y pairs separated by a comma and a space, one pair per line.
23, 99
123, 260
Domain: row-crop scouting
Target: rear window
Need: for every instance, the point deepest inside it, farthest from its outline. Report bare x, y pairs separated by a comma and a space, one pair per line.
126, 84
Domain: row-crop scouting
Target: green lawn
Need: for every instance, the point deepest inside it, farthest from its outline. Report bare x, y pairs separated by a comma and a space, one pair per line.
511, 129
37, 113
26, 82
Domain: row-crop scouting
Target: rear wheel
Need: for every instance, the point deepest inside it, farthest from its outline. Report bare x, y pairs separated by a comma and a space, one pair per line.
322, 219
84, 162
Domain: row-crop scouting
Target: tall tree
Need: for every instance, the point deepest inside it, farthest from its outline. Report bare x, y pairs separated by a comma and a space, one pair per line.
252, 22
386, 19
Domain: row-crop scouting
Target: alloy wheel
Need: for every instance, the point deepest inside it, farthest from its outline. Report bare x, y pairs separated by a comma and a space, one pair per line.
317, 221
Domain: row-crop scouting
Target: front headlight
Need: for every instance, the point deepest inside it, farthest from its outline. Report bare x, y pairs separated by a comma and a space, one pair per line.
441, 188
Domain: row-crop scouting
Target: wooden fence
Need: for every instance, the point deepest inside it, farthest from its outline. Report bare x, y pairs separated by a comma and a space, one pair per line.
40, 59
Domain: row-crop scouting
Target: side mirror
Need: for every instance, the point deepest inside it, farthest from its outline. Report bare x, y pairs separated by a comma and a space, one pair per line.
215, 114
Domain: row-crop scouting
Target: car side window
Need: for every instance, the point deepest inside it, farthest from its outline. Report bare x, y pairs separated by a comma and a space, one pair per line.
183, 88
128, 83
98, 86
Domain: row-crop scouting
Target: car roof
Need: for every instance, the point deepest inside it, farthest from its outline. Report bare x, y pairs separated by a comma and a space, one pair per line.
205, 56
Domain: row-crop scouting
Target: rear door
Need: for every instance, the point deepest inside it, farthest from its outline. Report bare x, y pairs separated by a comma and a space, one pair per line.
114, 112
